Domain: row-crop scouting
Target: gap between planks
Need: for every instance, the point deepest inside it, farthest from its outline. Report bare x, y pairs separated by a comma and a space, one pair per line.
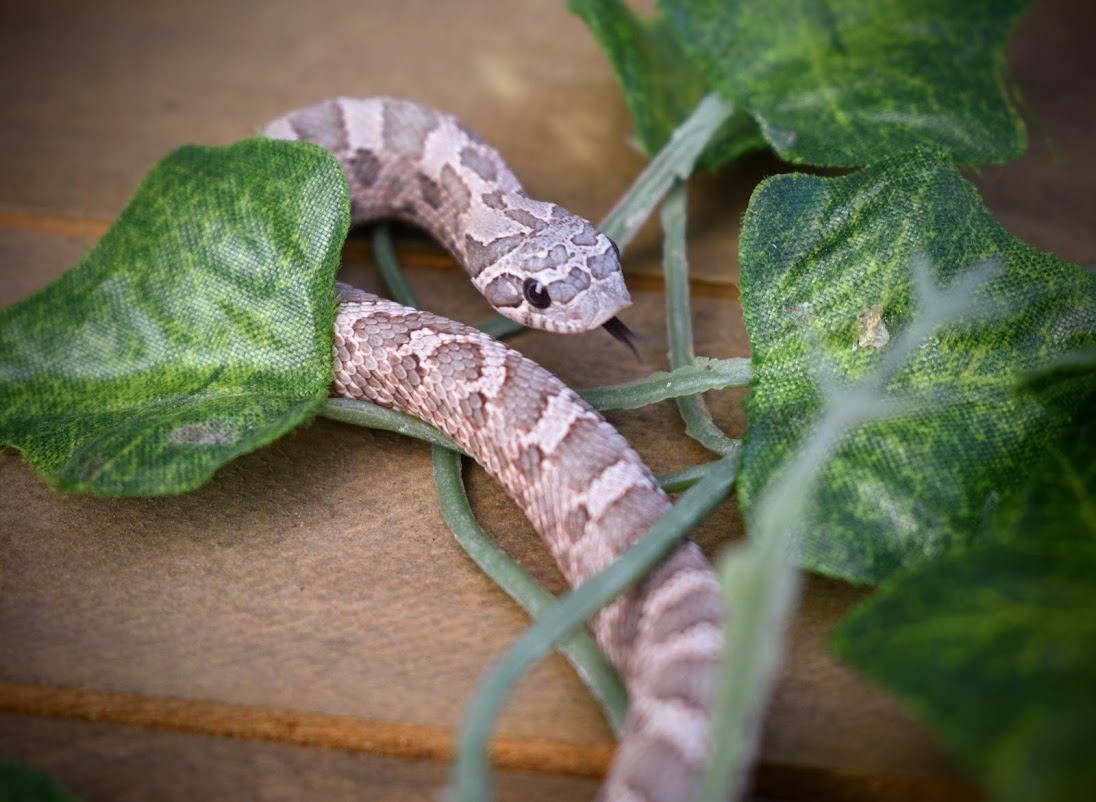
293, 727
432, 742
417, 251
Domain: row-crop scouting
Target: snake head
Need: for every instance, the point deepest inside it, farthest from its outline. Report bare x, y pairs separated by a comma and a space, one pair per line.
563, 277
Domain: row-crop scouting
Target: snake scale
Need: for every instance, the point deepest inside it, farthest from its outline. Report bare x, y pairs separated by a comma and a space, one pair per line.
587, 493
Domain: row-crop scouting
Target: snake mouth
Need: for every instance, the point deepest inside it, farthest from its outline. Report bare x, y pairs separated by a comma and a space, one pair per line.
622, 333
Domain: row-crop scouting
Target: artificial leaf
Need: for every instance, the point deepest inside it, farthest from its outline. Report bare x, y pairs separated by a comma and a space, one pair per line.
844, 84
761, 592
996, 646
826, 281
196, 330
661, 84
1061, 496
1070, 376
20, 782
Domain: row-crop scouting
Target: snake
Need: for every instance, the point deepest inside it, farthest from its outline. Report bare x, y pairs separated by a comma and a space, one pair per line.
587, 493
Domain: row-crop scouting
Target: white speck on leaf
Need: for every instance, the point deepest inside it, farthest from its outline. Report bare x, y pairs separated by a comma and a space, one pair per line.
214, 433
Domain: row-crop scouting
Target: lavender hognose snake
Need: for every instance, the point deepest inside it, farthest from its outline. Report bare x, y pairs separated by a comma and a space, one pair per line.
588, 494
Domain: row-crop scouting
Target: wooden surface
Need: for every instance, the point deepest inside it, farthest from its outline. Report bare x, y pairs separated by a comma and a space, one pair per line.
304, 627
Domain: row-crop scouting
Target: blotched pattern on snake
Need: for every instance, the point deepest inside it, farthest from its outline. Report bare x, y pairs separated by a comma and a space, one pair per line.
585, 490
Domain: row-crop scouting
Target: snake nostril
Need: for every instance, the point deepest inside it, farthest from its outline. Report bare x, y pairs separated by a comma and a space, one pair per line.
536, 294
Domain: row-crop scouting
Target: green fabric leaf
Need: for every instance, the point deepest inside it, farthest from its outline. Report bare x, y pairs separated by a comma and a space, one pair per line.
1070, 376
844, 84
661, 84
196, 330
996, 647
20, 782
826, 276
1061, 497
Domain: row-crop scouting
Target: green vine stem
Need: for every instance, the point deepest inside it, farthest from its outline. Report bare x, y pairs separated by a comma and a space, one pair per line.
700, 376
698, 420
697, 376
471, 768
500, 327
384, 253
674, 162
682, 479
371, 416
579, 648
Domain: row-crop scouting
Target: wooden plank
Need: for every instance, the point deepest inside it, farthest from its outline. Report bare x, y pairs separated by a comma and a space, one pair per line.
111, 763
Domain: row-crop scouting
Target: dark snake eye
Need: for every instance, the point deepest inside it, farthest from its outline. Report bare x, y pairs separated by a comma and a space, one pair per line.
616, 250
536, 294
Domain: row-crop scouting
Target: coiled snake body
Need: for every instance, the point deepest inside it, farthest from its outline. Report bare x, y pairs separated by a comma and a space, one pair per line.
587, 493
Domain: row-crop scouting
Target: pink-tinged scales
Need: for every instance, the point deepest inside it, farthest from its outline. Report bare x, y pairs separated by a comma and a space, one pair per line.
585, 490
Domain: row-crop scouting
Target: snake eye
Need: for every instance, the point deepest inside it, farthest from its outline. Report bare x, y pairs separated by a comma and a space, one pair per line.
616, 250
536, 294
